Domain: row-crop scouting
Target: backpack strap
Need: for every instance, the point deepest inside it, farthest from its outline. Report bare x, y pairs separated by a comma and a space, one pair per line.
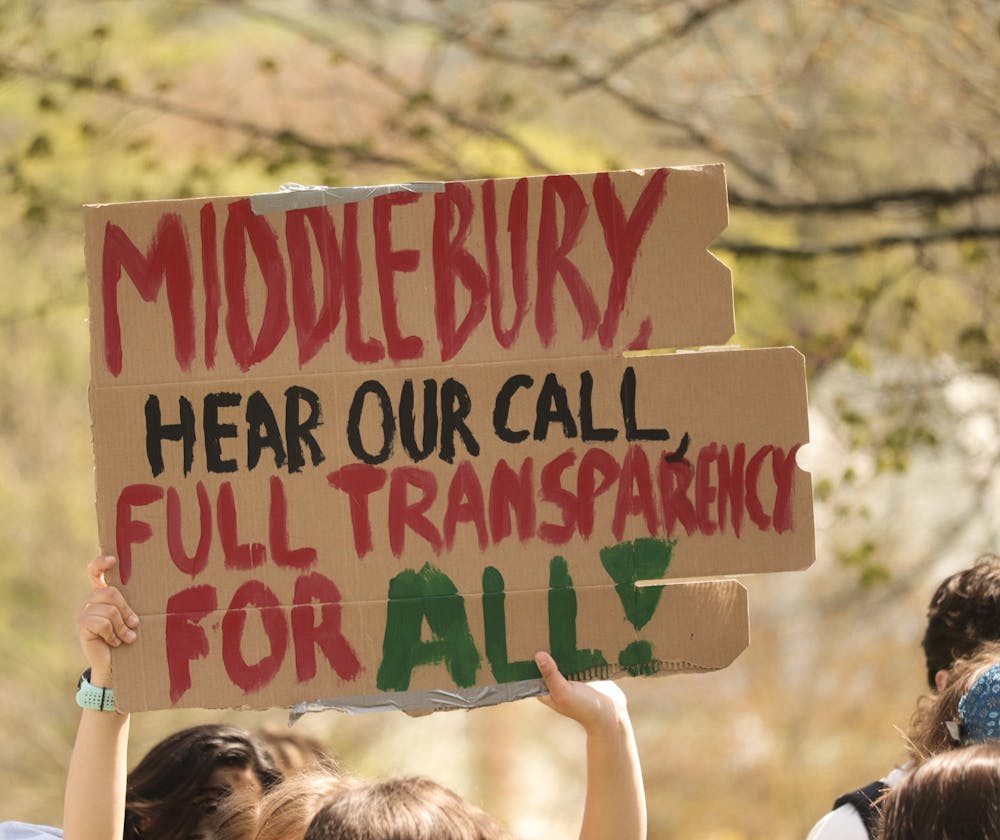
863, 800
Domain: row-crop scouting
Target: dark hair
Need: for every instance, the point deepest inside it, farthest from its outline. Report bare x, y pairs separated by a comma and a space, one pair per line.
964, 613
169, 792
955, 794
403, 808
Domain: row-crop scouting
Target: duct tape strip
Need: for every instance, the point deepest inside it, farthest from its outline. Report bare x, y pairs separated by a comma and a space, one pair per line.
299, 197
414, 702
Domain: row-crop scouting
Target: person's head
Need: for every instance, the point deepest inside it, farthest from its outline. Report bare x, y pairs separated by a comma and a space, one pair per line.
404, 808
284, 811
963, 613
295, 751
173, 791
932, 726
954, 795
288, 808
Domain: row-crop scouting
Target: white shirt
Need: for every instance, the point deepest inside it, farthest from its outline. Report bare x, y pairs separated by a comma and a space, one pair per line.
25, 831
844, 823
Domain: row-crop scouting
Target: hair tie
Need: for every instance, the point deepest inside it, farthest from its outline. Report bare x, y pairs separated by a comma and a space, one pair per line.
979, 708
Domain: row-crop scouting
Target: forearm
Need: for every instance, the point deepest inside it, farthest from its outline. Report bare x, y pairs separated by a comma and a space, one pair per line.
94, 806
615, 807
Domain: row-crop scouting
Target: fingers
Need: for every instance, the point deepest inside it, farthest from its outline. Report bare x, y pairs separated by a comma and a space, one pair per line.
96, 569
593, 705
550, 671
102, 621
106, 615
559, 687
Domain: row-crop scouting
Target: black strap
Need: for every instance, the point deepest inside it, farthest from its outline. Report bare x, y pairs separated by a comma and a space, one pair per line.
864, 799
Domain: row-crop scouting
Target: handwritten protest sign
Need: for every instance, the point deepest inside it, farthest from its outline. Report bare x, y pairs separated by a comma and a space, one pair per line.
379, 446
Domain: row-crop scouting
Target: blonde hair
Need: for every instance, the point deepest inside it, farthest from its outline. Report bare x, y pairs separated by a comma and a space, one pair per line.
283, 813
236, 816
928, 734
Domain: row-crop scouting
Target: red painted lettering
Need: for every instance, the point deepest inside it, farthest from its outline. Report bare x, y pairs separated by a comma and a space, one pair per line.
210, 278
452, 261
465, 504
388, 264
242, 224
517, 226
313, 330
553, 257
281, 552
783, 468
189, 564
129, 531
594, 461
359, 481
675, 479
186, 639
404, 514
704, 490
238, 555
168, 259
622, 237
635, 494
253, 676
754, 507
553, 491
512, 491
307, 634
731, 486
361, 349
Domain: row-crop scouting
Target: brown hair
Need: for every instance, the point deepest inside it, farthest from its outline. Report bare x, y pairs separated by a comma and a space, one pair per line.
296, 751
928, 734
403, 808
955, 794
168, 794
963, 613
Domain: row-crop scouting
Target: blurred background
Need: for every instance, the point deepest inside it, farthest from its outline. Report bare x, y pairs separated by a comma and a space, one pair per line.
862, 147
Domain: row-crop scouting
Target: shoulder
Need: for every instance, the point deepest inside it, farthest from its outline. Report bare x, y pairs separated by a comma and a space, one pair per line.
26, 831
843, 823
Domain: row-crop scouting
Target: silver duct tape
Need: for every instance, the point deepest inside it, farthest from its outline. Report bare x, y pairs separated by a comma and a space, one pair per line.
415, 702
299, 197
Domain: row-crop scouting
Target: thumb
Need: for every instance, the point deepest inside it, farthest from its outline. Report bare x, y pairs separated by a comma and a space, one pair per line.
96, 569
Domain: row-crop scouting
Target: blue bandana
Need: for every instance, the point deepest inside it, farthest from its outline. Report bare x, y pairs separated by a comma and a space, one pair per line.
979, 708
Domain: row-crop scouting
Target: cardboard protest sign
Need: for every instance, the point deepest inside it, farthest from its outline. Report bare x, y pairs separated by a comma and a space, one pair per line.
378, 447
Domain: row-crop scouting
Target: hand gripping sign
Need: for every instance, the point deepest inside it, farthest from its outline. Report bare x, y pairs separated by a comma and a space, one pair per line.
374, 447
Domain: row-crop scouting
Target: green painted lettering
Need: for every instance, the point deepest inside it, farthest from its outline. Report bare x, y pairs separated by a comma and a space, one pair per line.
562, 624
414, 596
643, 559
637, 658
495, 626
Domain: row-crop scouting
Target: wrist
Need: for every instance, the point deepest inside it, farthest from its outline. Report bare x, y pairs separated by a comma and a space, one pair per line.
95, 692
100, 677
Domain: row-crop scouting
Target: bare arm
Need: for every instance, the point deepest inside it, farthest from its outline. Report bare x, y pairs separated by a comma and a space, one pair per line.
615, 807
94, 805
